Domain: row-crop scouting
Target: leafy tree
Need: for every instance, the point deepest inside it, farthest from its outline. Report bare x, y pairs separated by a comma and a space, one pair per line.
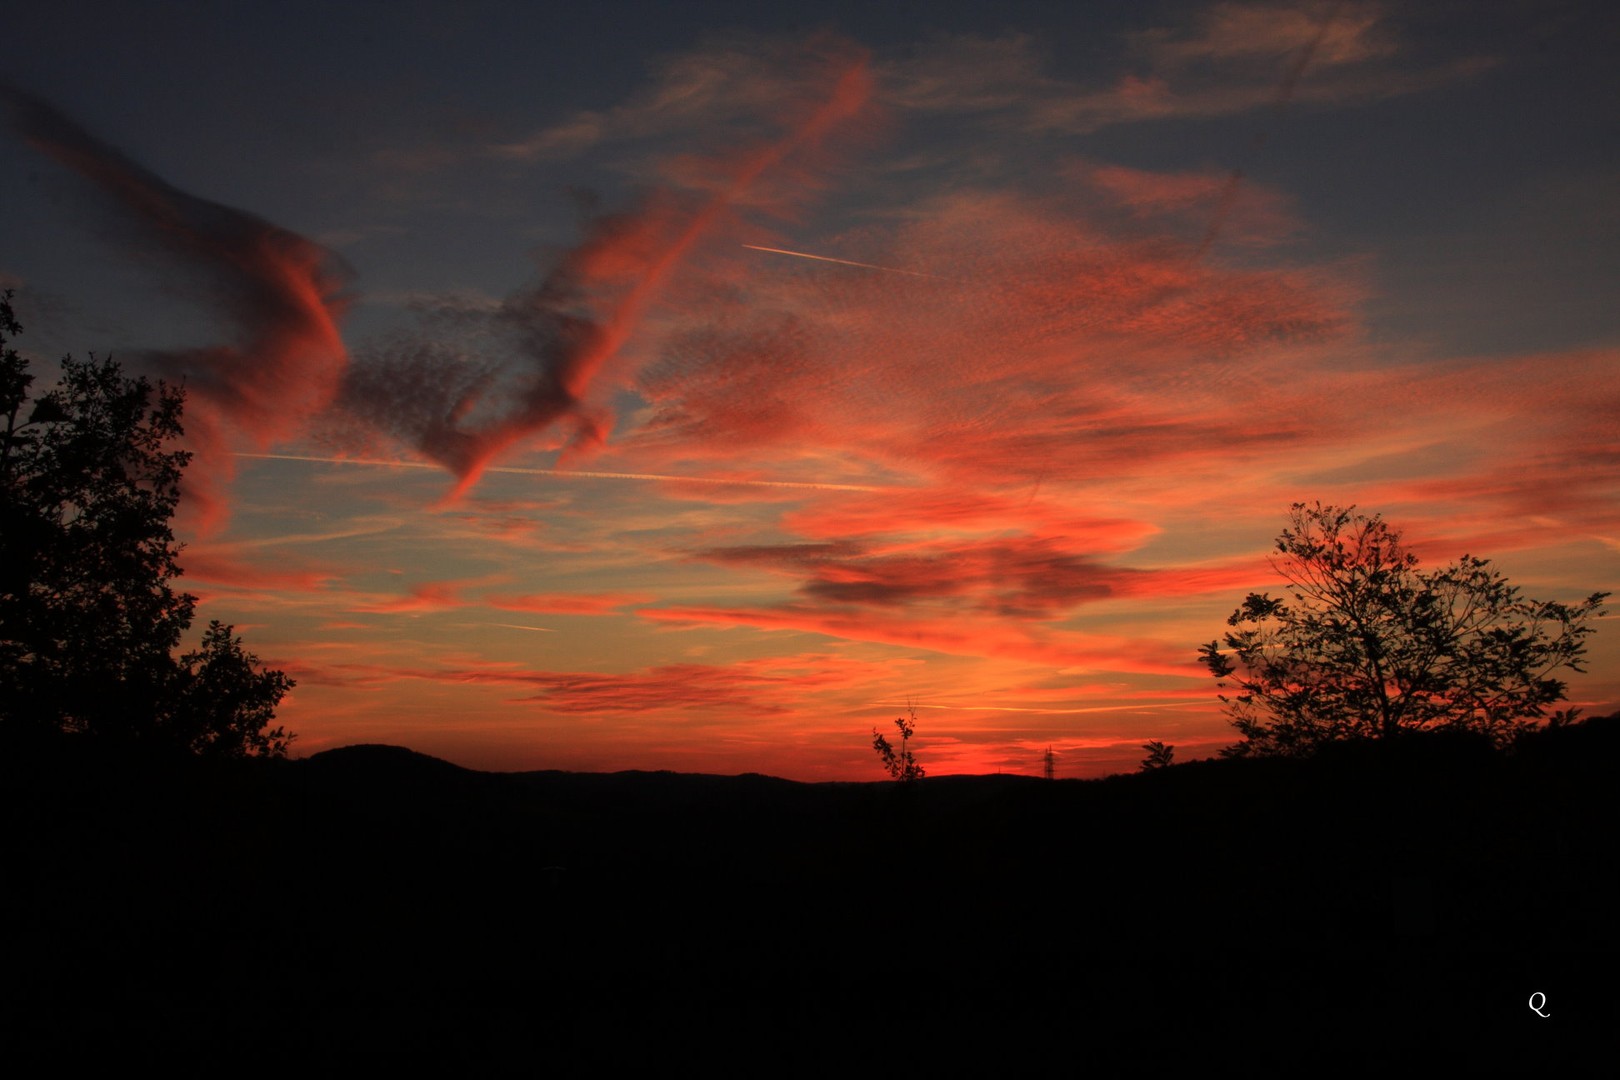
89, 615
1159, 755
224, 703
901, 764
1367, 646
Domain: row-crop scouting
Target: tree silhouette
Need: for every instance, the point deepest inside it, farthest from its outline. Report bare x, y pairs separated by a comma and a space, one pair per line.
89, 616
900, 763
1159, 755
224, 703
1368, 646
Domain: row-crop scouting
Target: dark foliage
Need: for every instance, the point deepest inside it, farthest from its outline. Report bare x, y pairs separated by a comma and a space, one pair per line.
90, 618
224, 703
1159, 755
901, 764
1368, 646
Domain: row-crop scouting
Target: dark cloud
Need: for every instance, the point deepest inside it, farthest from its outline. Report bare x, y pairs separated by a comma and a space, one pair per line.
1026, 577
280, 293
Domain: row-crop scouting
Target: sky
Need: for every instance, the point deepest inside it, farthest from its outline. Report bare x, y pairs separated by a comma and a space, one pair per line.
698, 387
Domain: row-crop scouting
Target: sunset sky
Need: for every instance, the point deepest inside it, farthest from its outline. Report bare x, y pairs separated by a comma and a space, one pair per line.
691, 386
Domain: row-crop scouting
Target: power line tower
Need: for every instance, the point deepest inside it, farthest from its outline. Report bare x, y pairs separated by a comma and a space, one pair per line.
1051, 764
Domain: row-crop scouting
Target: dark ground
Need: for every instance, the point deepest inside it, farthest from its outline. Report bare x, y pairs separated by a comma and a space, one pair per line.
1382, 905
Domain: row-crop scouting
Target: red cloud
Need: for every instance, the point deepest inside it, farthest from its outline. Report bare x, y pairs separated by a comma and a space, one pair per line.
1052, 351
765, 687
220, 568
1248, 214
959, 637
569, 603
937, 508
280, 292
431, 596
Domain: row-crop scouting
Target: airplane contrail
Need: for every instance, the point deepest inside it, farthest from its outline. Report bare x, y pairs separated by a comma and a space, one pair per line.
569, 473
1065, 712
1279, 102
843, 262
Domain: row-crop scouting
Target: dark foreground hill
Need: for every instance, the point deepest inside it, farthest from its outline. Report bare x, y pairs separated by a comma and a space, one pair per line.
1380, 905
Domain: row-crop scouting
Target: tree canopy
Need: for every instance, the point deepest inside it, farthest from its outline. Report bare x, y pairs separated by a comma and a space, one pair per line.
90, 617
1367, 646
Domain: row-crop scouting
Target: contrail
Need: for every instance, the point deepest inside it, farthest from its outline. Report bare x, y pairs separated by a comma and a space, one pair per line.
581, 474
1065, 712
842, 262
568, 374
1279, 102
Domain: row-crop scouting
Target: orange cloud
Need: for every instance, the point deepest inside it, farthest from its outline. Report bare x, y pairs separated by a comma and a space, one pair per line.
219, 567
772, 686
1055, 351
958, 637
569, 603
428, 597
949, 508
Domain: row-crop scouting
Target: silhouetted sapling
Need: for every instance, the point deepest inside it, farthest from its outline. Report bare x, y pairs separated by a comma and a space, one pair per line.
1159, 755
901, 764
